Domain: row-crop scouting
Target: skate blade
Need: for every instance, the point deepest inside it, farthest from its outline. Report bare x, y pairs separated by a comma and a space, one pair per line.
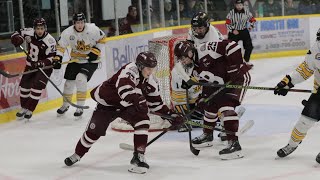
138, 170
235, 155
203, 145
20, 118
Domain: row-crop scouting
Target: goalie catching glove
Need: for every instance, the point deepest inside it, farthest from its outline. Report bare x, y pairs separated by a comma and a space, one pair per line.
283, 86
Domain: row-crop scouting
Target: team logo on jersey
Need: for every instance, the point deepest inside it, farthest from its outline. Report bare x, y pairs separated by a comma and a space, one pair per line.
81, 46
203, 48
92, 126
72, 37
317, 56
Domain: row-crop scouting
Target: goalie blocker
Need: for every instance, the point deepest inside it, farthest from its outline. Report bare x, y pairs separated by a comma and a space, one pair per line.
126, 95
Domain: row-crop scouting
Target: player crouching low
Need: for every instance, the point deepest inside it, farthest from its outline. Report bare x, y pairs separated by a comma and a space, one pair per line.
128, 94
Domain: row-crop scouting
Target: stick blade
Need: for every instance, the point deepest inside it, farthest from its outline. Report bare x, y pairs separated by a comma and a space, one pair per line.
126, 146
195, 151
245, 128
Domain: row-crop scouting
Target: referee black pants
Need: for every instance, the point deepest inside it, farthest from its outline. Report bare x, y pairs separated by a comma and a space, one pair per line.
247, 42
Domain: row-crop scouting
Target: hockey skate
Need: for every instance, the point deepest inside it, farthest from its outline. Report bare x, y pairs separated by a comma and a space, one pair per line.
285, 151
232, 151
138, 164
28, 115
250, 65
69, 161
78, 113
318, 158
204, 140
21, 113
62, 110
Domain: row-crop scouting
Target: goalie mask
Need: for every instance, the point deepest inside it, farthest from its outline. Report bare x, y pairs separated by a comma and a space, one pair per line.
200, 25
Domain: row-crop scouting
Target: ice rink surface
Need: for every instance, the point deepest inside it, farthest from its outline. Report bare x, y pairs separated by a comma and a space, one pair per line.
36, 150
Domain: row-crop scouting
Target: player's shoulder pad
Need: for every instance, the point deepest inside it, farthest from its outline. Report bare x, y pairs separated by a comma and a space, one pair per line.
49, 40
132, 69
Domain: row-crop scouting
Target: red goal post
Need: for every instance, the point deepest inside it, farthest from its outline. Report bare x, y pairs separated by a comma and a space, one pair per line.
163, 48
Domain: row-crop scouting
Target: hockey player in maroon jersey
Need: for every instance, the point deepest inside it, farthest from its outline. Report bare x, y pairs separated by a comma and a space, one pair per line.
41, 48
218, 62
128, 94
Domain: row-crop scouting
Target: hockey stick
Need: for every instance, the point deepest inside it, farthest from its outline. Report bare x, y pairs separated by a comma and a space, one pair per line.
7, 75
232, 86
192, 149
244, 129
64, 98
129, 147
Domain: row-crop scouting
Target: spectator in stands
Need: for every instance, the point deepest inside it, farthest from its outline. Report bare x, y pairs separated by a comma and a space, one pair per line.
212, 11
271, 8
306, 7
290, 8
170, 14
130, 19
182, 9
194, 7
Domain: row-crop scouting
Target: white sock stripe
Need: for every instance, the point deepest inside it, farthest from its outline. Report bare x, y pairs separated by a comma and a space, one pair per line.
36, 91
24, 89
24, 95
35, 97
226, 108
231, 118
210, 120
84, 143
209, 113
143, 122
141, 131
88, 139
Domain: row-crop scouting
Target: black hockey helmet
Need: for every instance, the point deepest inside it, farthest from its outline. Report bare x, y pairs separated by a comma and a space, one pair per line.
200, 19
39, 22
239, 2
146, 59
183, 48
79, 17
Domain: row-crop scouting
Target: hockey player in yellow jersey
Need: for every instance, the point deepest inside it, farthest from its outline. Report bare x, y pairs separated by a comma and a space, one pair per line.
311, 111
86, 41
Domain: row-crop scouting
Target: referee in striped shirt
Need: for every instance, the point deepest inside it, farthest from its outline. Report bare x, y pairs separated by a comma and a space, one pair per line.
237, 25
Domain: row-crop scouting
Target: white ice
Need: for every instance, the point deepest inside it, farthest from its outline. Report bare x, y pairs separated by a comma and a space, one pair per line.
36, 150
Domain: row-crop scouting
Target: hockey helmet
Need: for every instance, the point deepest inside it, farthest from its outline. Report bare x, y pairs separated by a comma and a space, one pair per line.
79, 17
183, 48
39, 22
239, 2
146, 59
200, 19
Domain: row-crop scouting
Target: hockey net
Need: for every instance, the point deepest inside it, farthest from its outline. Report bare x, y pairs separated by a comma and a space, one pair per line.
163, 49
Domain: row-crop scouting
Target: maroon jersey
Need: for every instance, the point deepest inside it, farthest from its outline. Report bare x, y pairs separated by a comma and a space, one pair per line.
39, 49
221, 62
127, 84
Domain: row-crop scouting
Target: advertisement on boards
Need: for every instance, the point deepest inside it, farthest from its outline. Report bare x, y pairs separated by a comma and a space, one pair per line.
280, 35
122, 51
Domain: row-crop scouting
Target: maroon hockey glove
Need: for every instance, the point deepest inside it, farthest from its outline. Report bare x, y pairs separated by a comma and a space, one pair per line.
17, 40
177, 119
139, 104
38, 64
283, 86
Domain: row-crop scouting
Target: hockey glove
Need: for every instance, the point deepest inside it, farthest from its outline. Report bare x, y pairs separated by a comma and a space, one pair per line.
17, 40
139, 104
94, 54
283, 86
38, 64
185, 85
57, 60
177, 119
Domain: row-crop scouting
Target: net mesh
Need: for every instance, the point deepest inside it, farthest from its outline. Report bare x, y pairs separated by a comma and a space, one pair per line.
163, 49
